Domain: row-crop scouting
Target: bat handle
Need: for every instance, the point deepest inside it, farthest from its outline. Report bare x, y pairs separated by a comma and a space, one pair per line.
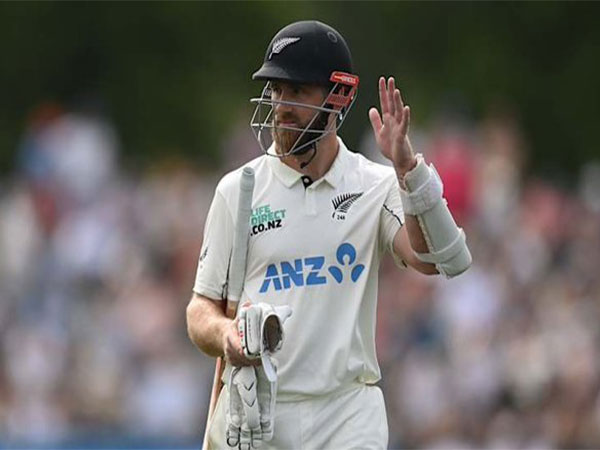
214, 397
231, 309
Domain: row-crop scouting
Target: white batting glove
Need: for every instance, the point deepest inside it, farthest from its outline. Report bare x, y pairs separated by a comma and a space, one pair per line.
243, 417
253, 390
261, 328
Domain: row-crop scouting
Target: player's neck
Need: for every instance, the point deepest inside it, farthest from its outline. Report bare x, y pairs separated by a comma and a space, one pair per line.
327, 149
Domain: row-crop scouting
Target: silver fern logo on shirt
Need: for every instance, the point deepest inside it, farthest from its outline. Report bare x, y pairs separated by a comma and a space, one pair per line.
342, 203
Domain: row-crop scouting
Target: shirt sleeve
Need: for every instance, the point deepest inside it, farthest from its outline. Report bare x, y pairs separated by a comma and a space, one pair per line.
213, 263
391, 219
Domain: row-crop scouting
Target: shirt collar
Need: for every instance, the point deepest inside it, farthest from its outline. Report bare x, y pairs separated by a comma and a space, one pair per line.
336, 172
289, 176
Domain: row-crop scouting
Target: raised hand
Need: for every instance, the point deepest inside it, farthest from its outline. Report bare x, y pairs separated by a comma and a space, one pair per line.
391, 127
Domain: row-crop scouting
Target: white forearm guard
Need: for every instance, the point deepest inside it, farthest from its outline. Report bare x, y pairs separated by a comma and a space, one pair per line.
445, 240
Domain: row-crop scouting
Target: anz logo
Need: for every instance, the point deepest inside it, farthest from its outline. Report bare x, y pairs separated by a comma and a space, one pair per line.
311, 271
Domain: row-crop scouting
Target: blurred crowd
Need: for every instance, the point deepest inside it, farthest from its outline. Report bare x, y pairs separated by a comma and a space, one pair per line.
96, 270
98, 263
506, 355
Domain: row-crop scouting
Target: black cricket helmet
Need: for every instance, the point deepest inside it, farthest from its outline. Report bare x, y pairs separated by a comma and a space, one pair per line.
306, 52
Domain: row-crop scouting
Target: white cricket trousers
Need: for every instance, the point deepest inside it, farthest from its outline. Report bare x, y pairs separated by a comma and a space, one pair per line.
351, 419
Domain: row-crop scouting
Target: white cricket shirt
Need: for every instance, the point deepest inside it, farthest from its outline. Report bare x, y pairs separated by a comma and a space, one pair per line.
317, 249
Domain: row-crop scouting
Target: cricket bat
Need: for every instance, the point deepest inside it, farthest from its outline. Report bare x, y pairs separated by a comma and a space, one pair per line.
237, 273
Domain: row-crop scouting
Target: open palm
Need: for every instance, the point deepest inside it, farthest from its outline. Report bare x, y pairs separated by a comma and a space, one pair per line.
391, 127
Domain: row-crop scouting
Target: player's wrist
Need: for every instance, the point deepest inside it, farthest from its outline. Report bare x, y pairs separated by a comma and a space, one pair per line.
403, 169
227, 326
405, 166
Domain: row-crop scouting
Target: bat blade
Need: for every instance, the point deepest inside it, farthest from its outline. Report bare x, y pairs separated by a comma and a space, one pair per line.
237, 273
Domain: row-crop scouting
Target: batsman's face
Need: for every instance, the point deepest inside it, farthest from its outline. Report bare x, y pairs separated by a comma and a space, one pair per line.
288, 116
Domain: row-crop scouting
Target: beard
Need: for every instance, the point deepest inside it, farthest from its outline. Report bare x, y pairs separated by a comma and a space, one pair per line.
285, 139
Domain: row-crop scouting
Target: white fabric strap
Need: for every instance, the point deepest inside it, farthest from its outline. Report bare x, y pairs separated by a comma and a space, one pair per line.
267, 395
424, 186
447, 253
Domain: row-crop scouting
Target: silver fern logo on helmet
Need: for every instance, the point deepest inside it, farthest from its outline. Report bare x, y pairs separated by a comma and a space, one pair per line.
282, 43
323, 61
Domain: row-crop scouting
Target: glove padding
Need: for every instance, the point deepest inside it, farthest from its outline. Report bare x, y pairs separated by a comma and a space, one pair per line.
252, 390
243, 417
